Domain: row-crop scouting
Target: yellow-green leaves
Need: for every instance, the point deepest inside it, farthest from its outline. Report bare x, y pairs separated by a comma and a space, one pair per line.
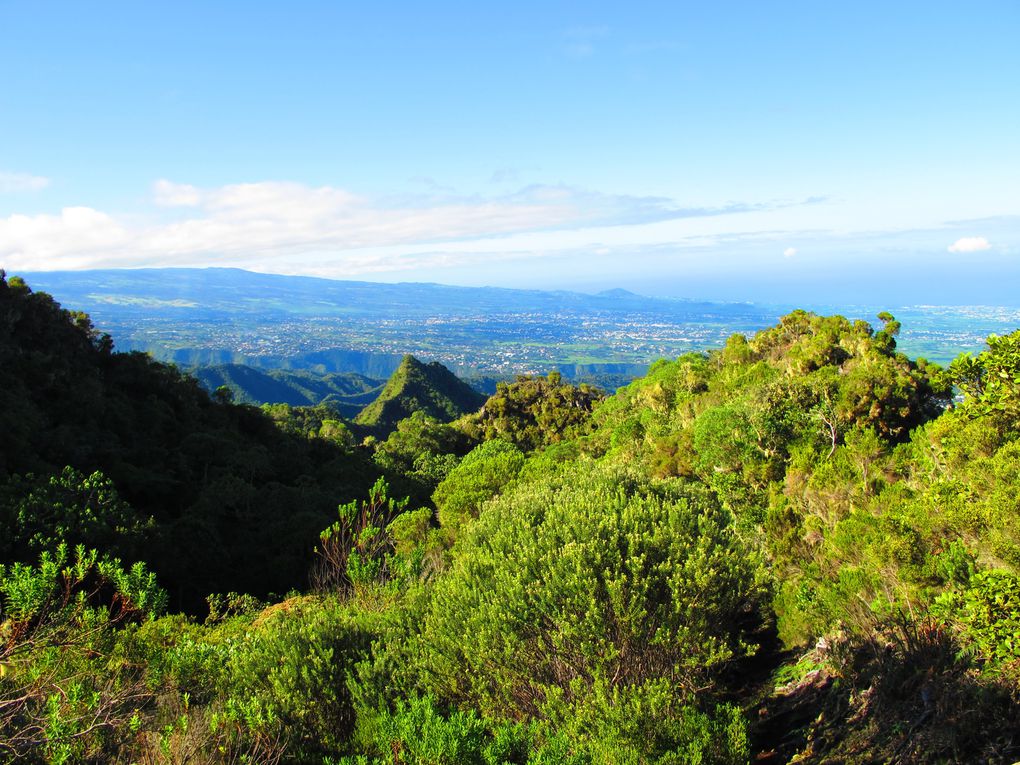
591, 584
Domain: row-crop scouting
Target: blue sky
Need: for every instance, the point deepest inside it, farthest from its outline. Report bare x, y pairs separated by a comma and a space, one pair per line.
806, 152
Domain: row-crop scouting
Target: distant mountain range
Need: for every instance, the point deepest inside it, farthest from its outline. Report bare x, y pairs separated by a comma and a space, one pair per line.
228, 292
203, 317
218, 316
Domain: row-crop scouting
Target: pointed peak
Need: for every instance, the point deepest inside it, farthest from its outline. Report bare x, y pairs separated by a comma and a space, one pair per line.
416, 386
618, 292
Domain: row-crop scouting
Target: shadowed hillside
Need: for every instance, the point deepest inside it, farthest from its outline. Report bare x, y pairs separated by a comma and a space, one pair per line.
235, 502
348, 393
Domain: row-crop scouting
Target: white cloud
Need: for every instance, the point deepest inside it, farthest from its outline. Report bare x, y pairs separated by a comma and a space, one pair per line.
68, 240
789, 252
970, 244
12, 183
168, 194
242, 223
287, 227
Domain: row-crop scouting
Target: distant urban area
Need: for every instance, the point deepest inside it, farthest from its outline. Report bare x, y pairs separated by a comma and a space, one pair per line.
197, 317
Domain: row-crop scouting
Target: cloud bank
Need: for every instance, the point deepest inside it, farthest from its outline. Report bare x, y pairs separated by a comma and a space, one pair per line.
240, 224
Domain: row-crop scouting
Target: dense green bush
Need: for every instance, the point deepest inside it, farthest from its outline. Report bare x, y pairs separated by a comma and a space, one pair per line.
64, 694
532, 412
419, 454
593, 592
480, 476
288, 674
417, 733
988, 610
37, 514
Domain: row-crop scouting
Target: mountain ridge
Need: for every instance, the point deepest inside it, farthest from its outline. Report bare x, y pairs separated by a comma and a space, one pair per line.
348, 392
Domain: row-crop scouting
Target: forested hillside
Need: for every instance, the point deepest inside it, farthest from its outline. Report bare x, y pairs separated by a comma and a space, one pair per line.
116, 450
347, 392
798, 547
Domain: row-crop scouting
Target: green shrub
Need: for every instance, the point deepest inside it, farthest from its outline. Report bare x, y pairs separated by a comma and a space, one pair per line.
65, 693
989, 612
71, 508
480, 476
593, 591
288, 674
354, 552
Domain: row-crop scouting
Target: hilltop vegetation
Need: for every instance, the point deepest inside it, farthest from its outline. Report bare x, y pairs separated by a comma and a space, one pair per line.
223, 498
796, 547
417, 387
